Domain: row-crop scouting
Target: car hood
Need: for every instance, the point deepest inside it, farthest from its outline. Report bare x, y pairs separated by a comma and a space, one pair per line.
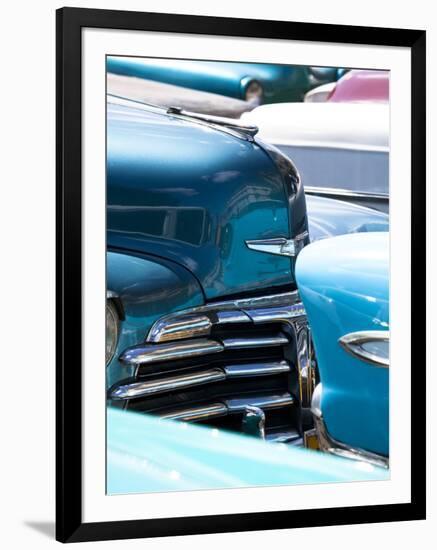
192, 193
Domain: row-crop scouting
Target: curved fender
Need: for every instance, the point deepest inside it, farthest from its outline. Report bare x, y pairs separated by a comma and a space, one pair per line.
147, 287
344, 285
330, 217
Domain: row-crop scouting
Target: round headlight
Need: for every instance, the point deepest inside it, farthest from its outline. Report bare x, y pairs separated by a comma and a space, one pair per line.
111, 330
254, 92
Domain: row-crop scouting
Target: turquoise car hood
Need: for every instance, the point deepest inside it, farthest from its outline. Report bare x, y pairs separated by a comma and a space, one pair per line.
193, 194
146, 454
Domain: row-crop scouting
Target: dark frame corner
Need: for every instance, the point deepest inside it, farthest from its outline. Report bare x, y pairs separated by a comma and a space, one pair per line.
69, 22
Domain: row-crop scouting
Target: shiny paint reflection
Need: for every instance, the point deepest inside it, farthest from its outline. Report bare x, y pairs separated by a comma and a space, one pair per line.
194, 194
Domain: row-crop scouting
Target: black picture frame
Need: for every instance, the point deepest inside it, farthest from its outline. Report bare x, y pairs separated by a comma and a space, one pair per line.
69, 526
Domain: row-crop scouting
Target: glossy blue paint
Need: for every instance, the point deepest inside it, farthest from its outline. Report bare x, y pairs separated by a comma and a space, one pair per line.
193, 193
149, 455
148, 288
329, 218
344, 285
280, 82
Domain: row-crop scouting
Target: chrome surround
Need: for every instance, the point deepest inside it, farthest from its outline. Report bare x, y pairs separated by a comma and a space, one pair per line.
330, 445
146, 388
352, 343
279, 246
334, 192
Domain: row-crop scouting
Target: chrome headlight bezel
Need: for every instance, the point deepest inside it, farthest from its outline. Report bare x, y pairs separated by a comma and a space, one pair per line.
371, 346
112, 330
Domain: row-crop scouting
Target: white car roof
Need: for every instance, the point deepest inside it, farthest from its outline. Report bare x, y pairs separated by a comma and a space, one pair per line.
361, 126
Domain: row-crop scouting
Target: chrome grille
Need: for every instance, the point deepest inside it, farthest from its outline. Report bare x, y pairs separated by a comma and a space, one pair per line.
227, 364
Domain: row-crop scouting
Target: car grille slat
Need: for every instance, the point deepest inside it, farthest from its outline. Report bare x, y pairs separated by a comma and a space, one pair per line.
221, 364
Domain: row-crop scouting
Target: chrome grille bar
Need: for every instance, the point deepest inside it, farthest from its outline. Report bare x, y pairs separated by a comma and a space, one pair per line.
257, 369
169, 383
229, 406
183, 349
140, 355
257, 342
183, 381
199, 321
197, 413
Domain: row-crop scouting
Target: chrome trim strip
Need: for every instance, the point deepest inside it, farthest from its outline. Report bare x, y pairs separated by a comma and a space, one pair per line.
279, 246
182, 381
229, 406
256, 342
169, 383
256, 369
276, 314
263, 402
231, 316
180, 327
330, 445
352, 343
332, 191
150, 353
197, 413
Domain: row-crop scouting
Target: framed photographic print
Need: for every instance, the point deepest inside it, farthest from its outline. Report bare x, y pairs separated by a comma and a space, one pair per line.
240, 258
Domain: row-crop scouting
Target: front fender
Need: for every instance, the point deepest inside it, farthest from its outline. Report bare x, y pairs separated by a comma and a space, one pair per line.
147, 288
344, 285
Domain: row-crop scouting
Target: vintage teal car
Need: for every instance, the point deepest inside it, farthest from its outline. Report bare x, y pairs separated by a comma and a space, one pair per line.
258, 82
207, 319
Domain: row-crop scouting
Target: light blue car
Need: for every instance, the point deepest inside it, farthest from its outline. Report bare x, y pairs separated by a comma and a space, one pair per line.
149, 455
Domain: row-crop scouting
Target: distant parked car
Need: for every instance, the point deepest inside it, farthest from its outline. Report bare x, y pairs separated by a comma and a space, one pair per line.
253, 82
356, 86
340, 149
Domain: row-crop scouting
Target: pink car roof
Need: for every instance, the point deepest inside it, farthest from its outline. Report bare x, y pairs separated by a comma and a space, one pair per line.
361, 86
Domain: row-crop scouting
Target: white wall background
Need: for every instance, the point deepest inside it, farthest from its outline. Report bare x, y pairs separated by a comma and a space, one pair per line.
27, 233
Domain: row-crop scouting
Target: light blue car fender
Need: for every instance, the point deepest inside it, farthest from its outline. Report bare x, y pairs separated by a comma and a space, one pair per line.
344, 285
146, 454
